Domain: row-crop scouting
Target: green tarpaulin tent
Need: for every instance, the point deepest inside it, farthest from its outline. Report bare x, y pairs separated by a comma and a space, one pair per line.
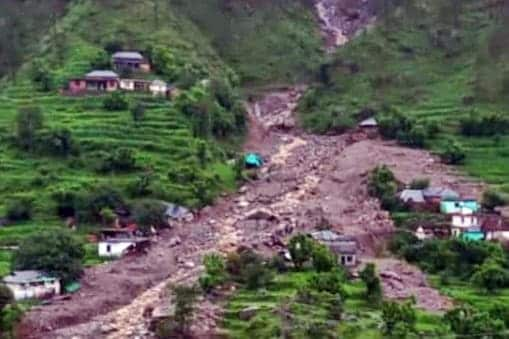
253, 160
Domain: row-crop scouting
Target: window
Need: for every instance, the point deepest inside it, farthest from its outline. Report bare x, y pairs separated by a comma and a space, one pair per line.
108, 248
349, 259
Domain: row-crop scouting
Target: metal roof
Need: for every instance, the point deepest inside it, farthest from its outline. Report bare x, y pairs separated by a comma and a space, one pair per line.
440, 192
325, 236
371, 122
128, 55
102, 74
415, 196
23, 277
175, 211
343, 247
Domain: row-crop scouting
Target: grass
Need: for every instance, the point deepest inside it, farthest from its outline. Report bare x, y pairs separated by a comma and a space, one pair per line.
401, 65
362, 320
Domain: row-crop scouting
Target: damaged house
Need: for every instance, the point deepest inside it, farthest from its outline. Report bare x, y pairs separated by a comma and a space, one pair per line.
344, 247
32, 285
115, 243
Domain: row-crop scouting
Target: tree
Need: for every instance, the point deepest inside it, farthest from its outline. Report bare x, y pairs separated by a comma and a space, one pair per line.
249, 268
138, 112
336, 307
301, 248
373, 287
491, 276
149, 213
57, 252
201, 153
19, 209
29, 121
58, 142
467, 321
492, 199
400, 317
323, 259
41, 75
330, 282
6, 297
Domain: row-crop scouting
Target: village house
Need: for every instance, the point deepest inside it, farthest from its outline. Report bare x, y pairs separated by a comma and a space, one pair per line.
32, 285
159, 88
454, 206
175, 213
95, 81
495, 227
344, 247
130, 61
466, 224
435, 195
135, 85
116, 243
412, 197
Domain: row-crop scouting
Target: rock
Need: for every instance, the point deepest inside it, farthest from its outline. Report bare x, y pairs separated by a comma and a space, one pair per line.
261, 214
391, 275
189, 264
105, 329
248, 313
175, 241
243, 189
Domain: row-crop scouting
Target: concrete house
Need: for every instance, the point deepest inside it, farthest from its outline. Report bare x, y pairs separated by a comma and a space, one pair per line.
159, 88
32, 285
495, 227
116, 243
344, 247
135, 85
435, 195
409, 196
466, 224
131, 61
454, 206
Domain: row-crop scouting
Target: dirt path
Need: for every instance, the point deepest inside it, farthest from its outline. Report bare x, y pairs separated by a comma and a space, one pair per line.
307, 179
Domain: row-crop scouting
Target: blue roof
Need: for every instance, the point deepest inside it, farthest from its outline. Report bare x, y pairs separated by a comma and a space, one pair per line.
253, 159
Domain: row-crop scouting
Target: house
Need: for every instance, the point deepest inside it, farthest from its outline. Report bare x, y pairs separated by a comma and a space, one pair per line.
135, 85
116, 243
495, 227
435, 195
465, 221
32, 285
412, 197
452, 206
175, 212
95, 81
369, 123
344, 247
423, 233
159, 88
130, 61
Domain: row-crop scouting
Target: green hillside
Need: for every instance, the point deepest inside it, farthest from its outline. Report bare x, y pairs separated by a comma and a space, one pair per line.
430, 64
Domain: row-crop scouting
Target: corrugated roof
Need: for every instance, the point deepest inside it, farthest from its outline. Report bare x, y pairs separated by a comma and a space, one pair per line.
371, 122
415, 196
102, 74
128, 55
23, 277
343, 247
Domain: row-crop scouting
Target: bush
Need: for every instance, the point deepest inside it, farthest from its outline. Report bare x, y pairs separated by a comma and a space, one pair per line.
56, 252
138, 112
58, 142
488, 125
29, 121
330, 282
215, 272
19, 209
301, 249
453, 153
249, 268
41, 76
491, 276
400, 317
323, 259
91, 203
116, 101
372, 282
66, 201
184, 299
382, 182
149, 213
420, 184
492, 199
6, 297
467, 321
121, 160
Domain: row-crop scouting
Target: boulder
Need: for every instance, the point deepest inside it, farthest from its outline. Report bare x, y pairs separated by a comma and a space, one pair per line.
261, 214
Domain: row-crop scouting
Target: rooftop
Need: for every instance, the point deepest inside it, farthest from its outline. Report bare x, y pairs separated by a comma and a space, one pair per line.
23, 277
128, 55
415, 196
371, 122
175, 211
102, 74
344, 247
440, 192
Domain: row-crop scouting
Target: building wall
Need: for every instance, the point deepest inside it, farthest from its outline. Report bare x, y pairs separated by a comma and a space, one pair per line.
113, 249
499, 235
111, 85
127, 85
464, 221
450, 207
158, 89
39, 291
76, 86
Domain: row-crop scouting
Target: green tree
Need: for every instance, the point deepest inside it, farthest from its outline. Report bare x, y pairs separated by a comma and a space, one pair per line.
215, 272
330, 282
138, 112
453, 153
116, 101
372, 282
201, 153
6, 297
29, 121
301, 249
57, 252
323, 259
467, 321
185, 300
336, 307
149, 213
19, 208
491, 276
400, 317
41, 76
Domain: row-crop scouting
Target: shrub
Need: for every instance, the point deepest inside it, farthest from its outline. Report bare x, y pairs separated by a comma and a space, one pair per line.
453, 153
66, 201
301, 248
56, 252
121, 160
491, 276
6, 297
323, 259
116, 101
142, 186
29, 121
58, 142
336, 307
41, 76
400, 317
420, 184
19, 209
91, 203
149, 213
372, 282
138, 112
330, 282
488, 125
215, 272
382, 182
184, 299
492, 199
467, 321
249, 268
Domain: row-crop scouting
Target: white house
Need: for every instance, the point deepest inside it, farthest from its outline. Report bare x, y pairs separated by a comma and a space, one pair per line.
463, 221
495, 228
158, 87
115, 243
32, 285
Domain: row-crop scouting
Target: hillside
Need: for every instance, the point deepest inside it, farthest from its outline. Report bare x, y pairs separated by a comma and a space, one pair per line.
432, 62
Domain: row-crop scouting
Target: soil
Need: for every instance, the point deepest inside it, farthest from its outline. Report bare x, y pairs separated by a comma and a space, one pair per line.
306, 179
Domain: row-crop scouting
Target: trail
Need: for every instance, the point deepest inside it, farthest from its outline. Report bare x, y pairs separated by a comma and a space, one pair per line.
307, 178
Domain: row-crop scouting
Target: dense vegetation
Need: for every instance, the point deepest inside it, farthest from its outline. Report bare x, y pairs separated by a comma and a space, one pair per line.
435, 74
